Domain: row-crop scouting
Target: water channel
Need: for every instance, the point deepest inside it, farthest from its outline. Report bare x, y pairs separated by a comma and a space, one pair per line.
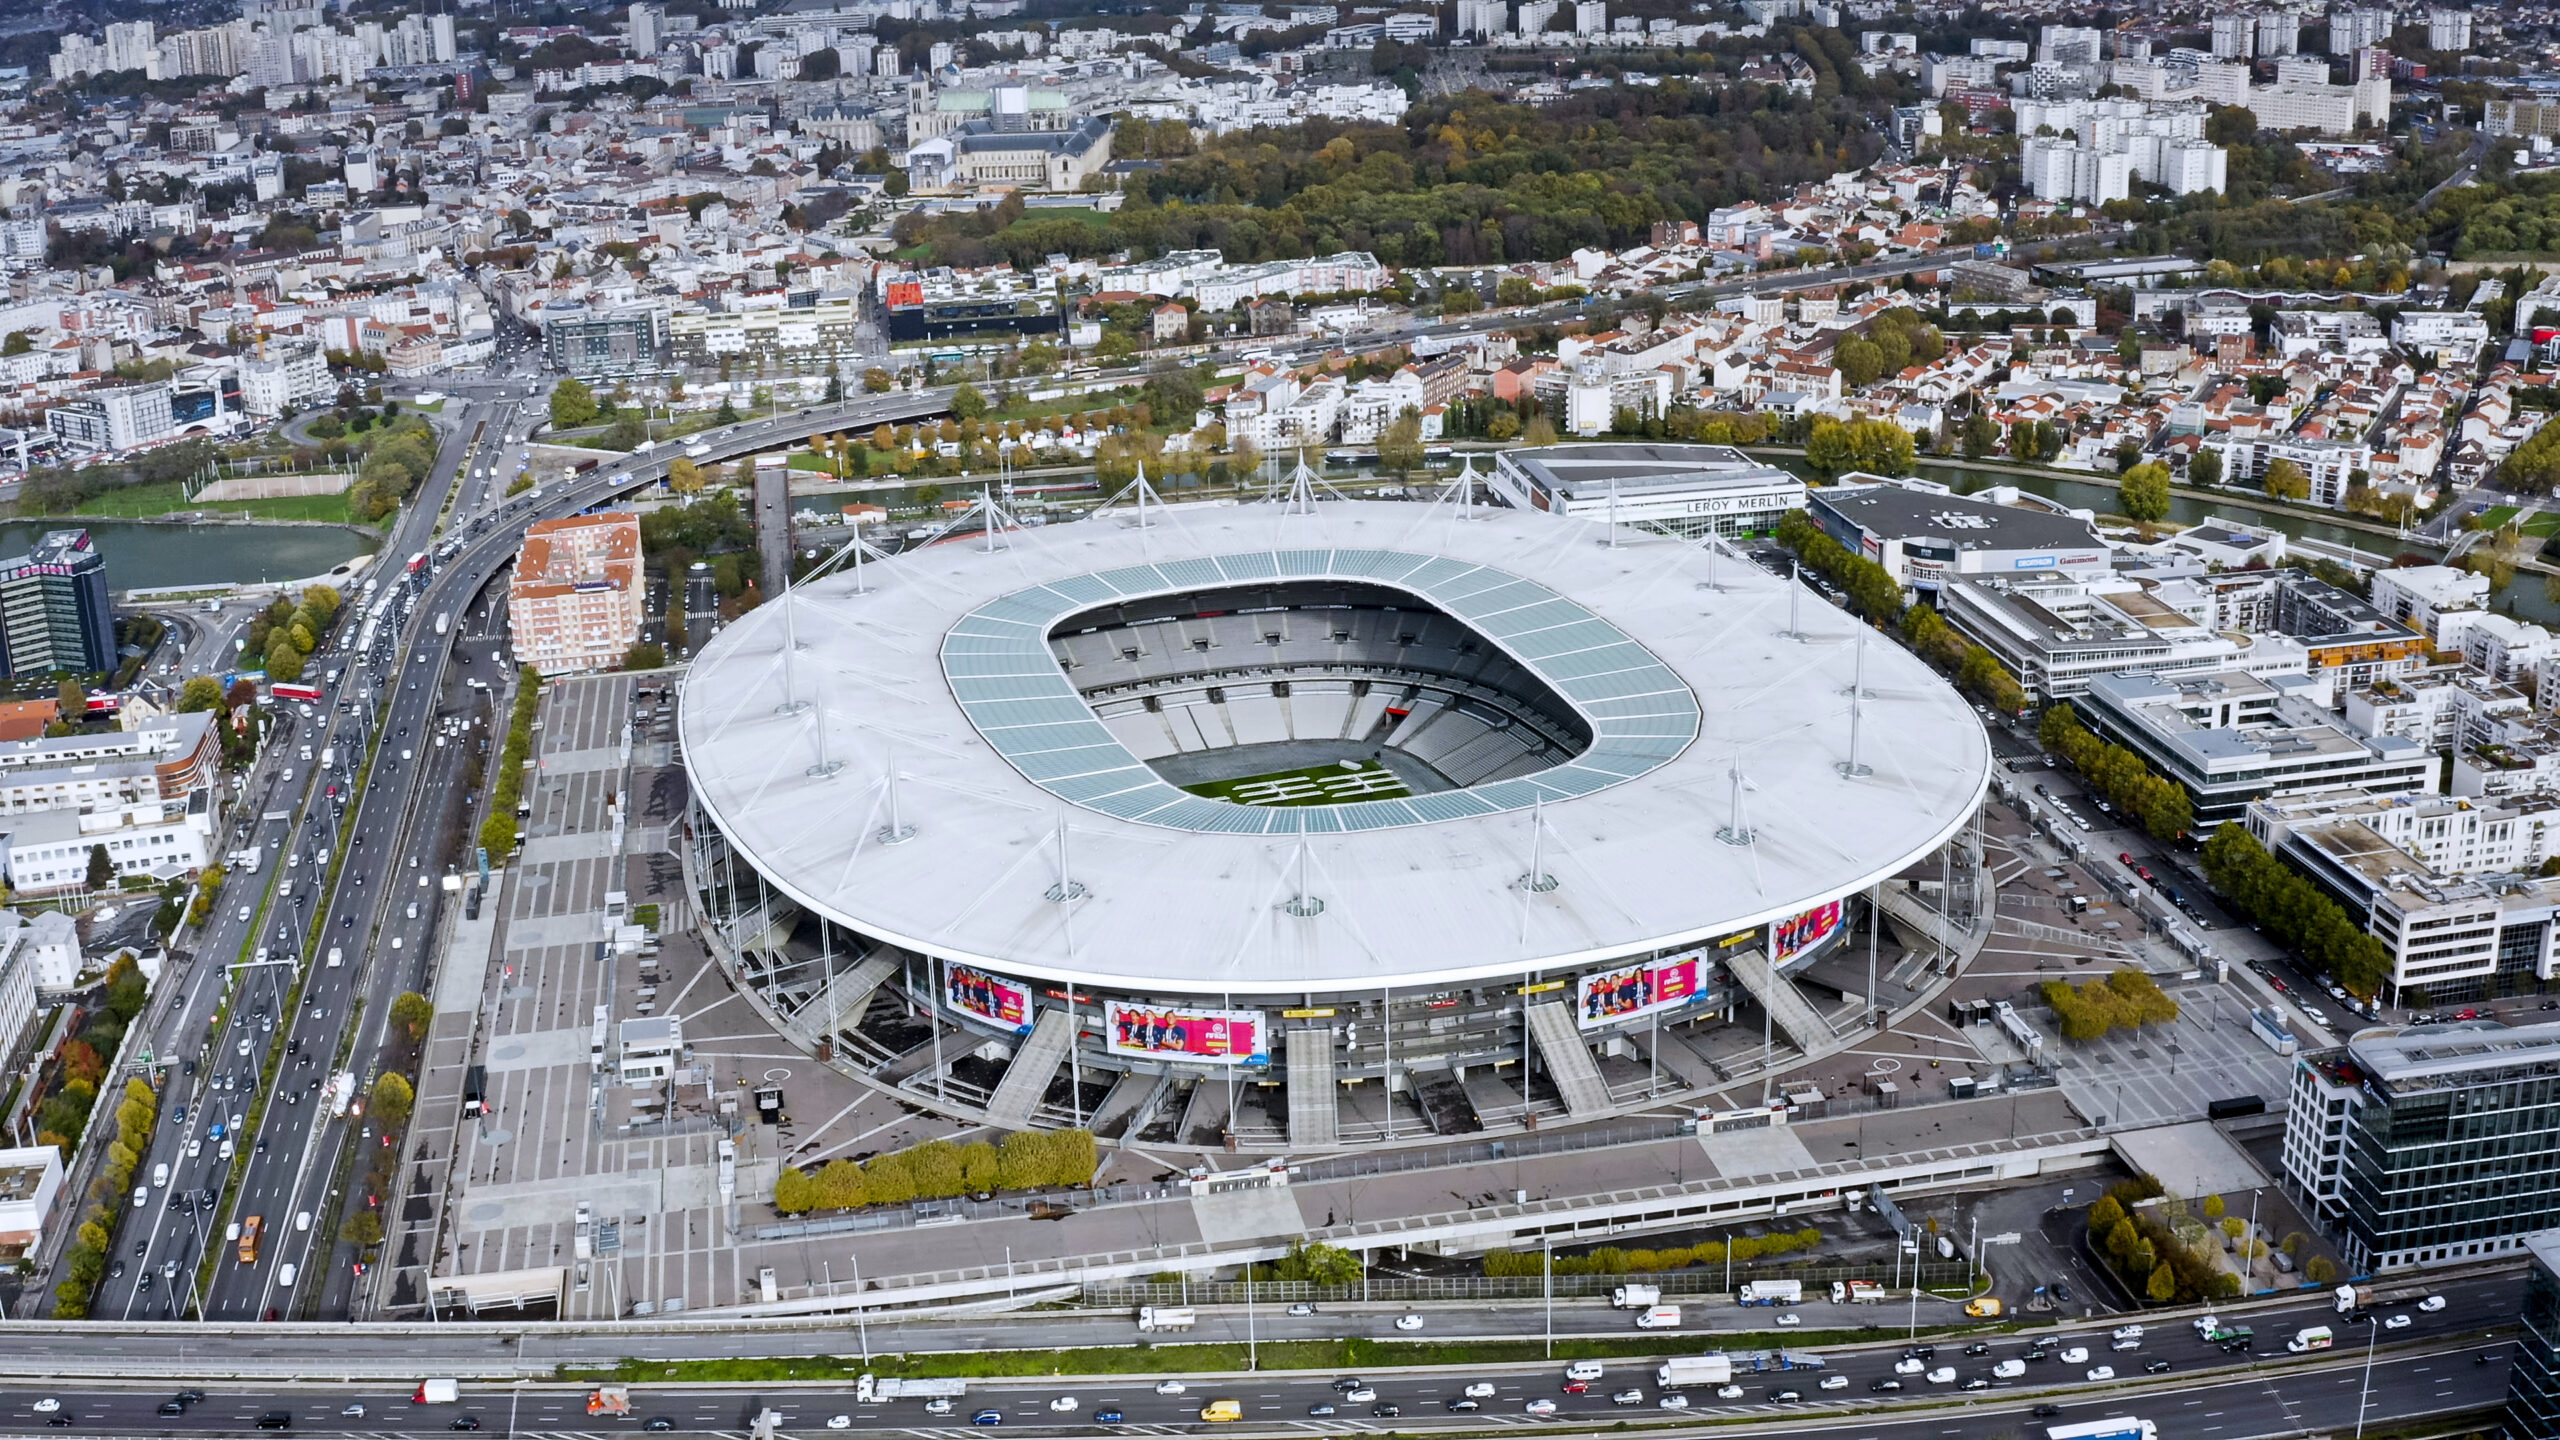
143, 556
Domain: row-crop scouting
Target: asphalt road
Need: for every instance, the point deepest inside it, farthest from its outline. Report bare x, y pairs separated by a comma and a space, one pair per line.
290, 1163
2285, 1397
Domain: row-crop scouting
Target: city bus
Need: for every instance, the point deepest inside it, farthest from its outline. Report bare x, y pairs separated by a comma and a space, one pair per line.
283, 690
249, 1239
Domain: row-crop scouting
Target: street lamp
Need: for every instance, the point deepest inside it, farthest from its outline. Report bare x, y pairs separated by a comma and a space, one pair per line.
2364, 1400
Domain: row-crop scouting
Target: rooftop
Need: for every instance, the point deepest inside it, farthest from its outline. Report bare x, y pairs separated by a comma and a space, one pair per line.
1893, 512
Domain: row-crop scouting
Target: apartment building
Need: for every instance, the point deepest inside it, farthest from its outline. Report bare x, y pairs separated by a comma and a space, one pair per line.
574, 602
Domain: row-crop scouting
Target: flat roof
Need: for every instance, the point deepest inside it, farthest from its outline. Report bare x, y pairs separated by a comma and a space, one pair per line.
1586, 472
1891, 512
1161, 900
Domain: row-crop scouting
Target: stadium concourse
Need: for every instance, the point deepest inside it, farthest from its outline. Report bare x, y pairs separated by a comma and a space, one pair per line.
1304, 825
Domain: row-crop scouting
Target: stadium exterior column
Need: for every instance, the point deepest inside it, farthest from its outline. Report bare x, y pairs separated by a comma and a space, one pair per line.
1387, 1052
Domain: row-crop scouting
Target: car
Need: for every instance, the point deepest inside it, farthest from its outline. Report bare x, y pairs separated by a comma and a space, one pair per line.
1943, 1375
1462, 1405
1786, 1395
1170, 1387
1301, 1308
355, 1411
276, 1420
1359, 1395
1909, 1367
1977, 1348
1408, 1322
172, 1407
2061, 1292
2431, 1304
1063, 1405
1107, 1417
2076, 1355
2044, 1412
987, 1417
1385, 1412
2124, 857
1789, 1320
1728, 1392
1627, 1397
47, 1405
1880, 1386
839, 1422
2397, 1322
464, 1422
2134, 1343
2103, 1372
1978, 1382
2157, 1367
1833, 1382
938, 1405
1319, 1408
116, 1271
2276, 983
1541, 1407
1577, 1387
1480, 1390
1920, 1352
660, 1422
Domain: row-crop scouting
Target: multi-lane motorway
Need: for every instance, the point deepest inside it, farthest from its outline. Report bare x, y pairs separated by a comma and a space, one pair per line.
303, 803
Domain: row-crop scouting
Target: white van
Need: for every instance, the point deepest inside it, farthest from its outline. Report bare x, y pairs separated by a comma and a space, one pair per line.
337, 956
413, 909
1583, 1370
160, 1174
1660, 1317
285, 1274
231, 1233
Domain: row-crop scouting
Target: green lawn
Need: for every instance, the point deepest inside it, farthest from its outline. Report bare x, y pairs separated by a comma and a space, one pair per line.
1335, 784
143, 501
2543, 524
2496, 515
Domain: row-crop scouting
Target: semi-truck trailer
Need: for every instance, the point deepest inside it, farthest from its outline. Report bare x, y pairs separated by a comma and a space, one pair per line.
871, 1390
1772, 1292
1685, 1370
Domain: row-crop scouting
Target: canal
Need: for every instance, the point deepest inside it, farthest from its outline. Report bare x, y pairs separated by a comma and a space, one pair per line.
143, 556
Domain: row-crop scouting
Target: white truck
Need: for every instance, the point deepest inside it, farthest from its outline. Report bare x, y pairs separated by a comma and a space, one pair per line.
1772, 1292
248, 860
437, 1392
342, 1092
1152, 1318
444, 621
1635, 1297
871, 1391
1681, 1371
2351, 1297
1660, 1317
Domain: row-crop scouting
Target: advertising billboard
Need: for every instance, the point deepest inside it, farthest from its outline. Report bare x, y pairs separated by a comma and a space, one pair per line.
1183, 1032
1632, 990
992, 998
1795, 935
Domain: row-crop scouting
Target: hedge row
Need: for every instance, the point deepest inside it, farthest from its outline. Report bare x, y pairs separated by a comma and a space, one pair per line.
940, 1170
498, 831
2294, 911
85, 1264
1611, 1260
2126, 1000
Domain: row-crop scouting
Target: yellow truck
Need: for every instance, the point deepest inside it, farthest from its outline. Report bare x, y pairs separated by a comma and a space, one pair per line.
1983, 1309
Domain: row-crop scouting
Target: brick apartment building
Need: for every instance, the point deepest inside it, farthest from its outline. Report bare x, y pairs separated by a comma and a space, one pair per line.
574, 603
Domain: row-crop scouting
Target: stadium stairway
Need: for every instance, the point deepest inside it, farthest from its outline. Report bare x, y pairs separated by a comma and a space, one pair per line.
1569, 1062
848, 994
1035, 1064
1793, 1013
1315, 1116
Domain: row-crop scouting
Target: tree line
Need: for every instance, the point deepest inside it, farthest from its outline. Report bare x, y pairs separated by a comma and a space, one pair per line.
2296, 914
1874, 591
941, 1170
2162, 807
1613, 1260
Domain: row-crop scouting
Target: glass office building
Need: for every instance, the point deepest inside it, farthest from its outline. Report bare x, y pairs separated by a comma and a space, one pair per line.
2533, 1384
2428, 1144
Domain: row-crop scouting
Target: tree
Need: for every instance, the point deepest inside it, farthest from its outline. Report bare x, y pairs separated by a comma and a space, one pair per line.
283, 661
2205, 468
967, 403
392, 1100
2104, 1213
411, 1014
2143, 492
363, 1228
102, 868
201, 692
728, 414
1318, 1263
1981, 435
835, 388
683, 476
1859, 361
2320, 1271
647, 655
572, 403
2213, 1207
2285, 481
876, 381
2164, 1284
1540, 431
1400, 449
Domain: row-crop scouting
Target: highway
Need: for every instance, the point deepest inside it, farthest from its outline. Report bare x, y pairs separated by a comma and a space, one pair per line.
2279, 1397
289, 1165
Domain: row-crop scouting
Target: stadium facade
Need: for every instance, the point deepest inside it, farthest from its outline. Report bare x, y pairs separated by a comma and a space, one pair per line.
1296, 826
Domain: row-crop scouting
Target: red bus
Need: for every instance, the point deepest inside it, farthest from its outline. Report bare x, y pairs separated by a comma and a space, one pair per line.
417, 562
309, 694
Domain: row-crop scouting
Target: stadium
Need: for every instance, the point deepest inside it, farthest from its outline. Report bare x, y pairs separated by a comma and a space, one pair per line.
1301, 825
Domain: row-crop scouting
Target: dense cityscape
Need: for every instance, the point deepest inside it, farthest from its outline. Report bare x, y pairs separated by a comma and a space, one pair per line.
762, 716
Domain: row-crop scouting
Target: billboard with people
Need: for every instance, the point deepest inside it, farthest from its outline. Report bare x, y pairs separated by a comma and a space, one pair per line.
992, 998
1628, 991
1799, 934
1185, 1032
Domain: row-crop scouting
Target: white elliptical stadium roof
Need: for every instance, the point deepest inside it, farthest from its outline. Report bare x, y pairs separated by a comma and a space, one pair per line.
1168, 899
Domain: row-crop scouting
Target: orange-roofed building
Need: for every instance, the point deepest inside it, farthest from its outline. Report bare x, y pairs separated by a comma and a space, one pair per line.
574, 604
25, 719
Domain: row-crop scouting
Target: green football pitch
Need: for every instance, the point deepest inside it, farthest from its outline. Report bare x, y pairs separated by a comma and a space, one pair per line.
1335, 784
